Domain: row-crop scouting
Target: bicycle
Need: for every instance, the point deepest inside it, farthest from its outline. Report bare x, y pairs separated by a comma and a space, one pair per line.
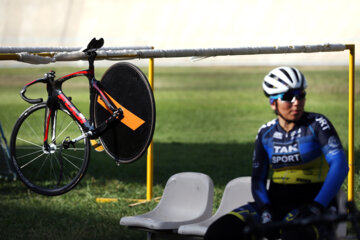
50, 142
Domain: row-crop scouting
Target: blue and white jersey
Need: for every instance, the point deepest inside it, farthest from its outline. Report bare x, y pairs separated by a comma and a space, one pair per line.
310, 153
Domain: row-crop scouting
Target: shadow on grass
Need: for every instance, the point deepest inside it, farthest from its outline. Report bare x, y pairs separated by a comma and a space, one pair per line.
222, 162
60, 223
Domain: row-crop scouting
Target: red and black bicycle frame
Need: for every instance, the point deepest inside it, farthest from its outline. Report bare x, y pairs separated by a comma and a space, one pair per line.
57, 99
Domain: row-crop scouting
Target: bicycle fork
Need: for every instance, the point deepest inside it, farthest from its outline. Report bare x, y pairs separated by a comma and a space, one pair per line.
50, 129
50, 116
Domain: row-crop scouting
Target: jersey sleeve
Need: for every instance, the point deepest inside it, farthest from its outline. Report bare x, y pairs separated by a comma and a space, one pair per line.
335, 157
260, 167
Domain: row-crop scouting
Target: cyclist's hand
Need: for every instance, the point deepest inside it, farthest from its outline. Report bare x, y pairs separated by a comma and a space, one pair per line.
266, 214
307, 232
267, 217
312, 209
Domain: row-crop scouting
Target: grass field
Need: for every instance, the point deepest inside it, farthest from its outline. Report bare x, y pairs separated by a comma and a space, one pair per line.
207, 120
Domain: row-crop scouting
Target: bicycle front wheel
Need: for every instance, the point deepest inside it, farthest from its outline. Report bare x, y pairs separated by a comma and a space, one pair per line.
54, 166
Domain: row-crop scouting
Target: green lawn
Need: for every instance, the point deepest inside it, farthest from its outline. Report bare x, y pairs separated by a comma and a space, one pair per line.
207, 120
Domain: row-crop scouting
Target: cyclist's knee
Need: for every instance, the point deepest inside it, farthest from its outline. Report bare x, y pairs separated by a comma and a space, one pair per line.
227, 227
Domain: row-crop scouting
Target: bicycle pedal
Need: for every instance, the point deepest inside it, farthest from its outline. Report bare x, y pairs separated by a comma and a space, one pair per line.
97, 145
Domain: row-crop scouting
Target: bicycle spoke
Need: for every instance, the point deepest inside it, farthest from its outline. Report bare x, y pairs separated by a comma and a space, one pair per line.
71, 163
59, 135
29, 142
28, 148
32, 160
62, 173
57, 161
53, 172
34, 132
26, 155
42, 165
68, 155
50, 168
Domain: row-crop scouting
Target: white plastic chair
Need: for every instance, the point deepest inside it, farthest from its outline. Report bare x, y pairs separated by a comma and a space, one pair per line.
237, 193
187, 198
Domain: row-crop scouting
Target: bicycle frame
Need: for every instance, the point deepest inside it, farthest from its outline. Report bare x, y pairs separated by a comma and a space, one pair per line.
57, 97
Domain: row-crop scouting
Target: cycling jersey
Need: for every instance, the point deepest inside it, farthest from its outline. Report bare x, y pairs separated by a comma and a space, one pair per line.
311, 153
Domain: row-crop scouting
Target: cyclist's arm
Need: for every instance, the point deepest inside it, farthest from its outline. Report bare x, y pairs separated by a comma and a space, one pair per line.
335, 156
259, 174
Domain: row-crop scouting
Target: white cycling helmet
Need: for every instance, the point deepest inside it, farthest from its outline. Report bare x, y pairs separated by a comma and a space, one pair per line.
282, 79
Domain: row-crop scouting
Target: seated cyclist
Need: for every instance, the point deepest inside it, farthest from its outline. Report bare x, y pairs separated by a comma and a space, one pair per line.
307, 161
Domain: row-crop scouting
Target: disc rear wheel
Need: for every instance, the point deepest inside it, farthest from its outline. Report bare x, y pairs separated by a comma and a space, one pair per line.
128, 88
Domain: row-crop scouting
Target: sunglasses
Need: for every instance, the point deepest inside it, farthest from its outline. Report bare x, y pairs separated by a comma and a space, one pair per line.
290, 96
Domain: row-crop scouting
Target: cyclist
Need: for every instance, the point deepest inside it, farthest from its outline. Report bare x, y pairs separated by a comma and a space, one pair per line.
307, 161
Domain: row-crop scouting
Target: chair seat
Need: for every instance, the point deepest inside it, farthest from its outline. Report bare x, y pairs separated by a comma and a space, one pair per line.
196, 229
187, 198
151, 223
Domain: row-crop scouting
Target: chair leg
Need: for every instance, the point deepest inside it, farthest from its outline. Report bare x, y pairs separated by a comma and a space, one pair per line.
148, 235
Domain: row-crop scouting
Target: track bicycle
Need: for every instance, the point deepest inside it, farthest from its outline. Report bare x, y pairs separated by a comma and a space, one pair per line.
50, 142
258, 231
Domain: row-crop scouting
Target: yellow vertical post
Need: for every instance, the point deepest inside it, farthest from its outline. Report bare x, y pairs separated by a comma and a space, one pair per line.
150, 151
351, 48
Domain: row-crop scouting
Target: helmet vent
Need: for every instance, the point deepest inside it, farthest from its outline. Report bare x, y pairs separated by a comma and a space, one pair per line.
283, 82
287, 74
269, 85
296, 74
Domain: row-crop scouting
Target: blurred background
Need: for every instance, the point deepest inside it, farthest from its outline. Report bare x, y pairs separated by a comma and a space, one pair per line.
186, 24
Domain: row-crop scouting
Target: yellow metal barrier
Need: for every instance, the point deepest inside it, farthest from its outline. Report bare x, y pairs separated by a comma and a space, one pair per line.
351, 48
150, 152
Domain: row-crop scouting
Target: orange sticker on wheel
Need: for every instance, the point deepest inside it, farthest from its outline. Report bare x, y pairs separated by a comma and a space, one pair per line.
129, 119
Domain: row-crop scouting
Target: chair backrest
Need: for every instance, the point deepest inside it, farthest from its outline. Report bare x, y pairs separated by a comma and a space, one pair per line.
187, 195
237, 193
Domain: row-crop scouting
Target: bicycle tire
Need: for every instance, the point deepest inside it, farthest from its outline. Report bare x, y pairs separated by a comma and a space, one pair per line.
54, 171
129, 87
